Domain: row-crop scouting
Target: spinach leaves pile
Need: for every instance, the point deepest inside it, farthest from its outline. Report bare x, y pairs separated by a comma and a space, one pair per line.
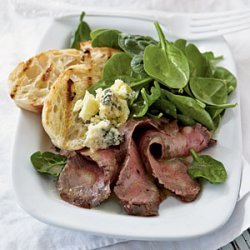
171, 79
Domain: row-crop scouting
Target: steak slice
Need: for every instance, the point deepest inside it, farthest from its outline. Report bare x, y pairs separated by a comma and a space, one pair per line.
160, 151
135, 189
171, 173
85, 181
179, 141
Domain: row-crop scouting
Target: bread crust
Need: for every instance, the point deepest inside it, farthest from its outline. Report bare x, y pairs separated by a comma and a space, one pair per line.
30, 81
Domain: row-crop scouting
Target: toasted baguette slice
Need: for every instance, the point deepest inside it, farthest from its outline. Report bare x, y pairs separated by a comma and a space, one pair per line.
63, 126
30, 81
96, 57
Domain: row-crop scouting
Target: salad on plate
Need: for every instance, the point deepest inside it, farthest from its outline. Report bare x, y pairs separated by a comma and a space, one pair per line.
126, 114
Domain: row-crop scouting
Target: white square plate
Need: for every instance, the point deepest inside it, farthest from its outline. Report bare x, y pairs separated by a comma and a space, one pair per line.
37, 194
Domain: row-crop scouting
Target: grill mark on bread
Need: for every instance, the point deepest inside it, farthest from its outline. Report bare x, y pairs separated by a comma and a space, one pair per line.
46, 75
89, 80
86, 51
27, 64
13, 92
109, 52
70, 93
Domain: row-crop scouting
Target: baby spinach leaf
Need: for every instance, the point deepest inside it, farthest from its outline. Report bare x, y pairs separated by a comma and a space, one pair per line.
154, 116
119, 67
209, 55
153, 96
166, 63
134, 44
100, 84
190, 108
210, 91
81, 34
96, 32
199, 66
228, 77
138, 66
216, 120
186, 120
48, 162
105, 38
214, 111
166, 106
140, 83
141, 108
181, 44
204, 166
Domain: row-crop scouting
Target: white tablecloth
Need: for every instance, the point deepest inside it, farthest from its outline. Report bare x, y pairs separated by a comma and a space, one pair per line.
19, 37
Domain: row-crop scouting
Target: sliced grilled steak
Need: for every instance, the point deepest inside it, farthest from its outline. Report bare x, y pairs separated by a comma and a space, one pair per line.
85, 181
108, 159
171, 173
135, 189
159, 149
179, 141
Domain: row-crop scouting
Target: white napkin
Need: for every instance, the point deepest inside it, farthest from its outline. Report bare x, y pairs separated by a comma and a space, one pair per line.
19, 38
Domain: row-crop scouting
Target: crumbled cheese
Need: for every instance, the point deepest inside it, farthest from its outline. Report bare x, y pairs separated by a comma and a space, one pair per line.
103, 114
121, 89
113, 108
89, 107
102, 135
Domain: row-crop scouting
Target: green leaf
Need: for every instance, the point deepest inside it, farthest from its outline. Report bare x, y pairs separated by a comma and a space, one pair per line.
165, 106
214, 111
100, 84
105, 38
209, 55
186, 120
81, 34
137, 65
118, 67
166, 63
48, 162
210, 91
155, 93
206, 167
134, 44
228, 77
140, 108
199, 66
181, 44
190, 108
96, 32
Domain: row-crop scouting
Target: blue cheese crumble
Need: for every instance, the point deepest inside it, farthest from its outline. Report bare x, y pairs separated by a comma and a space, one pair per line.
103, 114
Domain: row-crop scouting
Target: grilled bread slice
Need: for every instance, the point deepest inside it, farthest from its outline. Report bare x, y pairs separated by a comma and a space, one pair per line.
63, 126
30, 81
